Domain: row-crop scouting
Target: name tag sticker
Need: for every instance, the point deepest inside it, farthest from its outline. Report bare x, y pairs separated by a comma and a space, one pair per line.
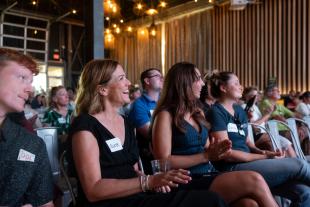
24, 155
114, 144
231, 127
62, 120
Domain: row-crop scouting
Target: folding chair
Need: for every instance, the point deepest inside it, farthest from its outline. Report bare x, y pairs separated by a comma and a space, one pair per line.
275, 142
69, 183
49, 136
292, 122
291, 126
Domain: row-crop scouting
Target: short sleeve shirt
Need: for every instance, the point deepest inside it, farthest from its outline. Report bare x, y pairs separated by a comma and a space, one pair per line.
236, 127
25, 172
280, 110
141, 111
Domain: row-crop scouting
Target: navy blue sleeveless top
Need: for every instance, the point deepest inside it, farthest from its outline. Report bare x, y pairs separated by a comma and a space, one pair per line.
189, 143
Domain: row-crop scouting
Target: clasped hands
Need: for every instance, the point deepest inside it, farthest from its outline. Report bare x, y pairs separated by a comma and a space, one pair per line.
163, 182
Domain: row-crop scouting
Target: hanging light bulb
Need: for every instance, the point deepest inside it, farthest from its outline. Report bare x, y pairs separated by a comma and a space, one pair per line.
117, 30
139, 8
108, 31
152, 29
162, 4
129, 29
151, 11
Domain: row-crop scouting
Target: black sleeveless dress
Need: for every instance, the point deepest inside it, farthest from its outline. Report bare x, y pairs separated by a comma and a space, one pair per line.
119, 165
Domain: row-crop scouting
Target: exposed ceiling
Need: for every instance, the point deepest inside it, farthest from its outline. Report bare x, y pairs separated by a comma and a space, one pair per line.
59, 7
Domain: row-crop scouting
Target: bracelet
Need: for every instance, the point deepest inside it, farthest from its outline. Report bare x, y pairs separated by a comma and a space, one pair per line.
147, 183
144, 182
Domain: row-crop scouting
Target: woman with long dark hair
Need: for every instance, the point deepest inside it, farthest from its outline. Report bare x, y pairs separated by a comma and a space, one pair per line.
180, 135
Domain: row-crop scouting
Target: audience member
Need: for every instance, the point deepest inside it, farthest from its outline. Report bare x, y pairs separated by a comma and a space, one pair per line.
71, 95
261, 138
59, 115
287, 177
281, 113
206, 98
289, 100
303, 107
180, 135
141, 112
104, 154
134, 94
37, 102
25, 172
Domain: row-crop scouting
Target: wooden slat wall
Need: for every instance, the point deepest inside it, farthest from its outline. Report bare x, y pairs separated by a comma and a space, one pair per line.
137, 52
267, 40
264, 41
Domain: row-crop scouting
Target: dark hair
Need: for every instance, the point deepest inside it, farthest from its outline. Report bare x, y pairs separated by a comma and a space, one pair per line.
27, 61
248, 90
217, 80
305, 95
204, 93
177, 95
146, 74
269, 88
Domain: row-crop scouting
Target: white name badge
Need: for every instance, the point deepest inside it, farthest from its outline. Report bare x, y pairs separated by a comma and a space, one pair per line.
24, 155
61, 120
151, 112
114, 144
231, 127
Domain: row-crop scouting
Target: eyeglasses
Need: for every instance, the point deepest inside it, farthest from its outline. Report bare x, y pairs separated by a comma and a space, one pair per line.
156, 75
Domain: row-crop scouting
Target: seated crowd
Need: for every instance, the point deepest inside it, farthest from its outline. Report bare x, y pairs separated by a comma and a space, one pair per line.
199, 127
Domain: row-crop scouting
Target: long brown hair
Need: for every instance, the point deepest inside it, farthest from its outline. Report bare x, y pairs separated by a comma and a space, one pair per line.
95, 72
177, 95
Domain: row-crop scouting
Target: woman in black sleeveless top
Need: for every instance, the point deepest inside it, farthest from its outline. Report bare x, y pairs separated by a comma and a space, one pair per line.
103, 152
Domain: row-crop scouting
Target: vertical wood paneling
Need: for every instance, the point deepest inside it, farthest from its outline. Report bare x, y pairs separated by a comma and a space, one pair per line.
265, 41
279, 48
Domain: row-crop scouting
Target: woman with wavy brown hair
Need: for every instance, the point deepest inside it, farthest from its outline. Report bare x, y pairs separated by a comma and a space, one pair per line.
180, 135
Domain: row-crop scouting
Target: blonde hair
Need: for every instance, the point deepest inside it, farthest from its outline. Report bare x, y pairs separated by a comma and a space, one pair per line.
95, 72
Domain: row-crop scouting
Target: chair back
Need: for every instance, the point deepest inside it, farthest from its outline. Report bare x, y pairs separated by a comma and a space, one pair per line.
250, 133
49, 136
274, 139
291, 126
306, 120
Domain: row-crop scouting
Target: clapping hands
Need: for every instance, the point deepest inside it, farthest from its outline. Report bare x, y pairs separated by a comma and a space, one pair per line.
217, 150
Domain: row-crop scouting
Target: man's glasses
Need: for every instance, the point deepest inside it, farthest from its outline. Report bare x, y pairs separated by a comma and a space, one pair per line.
156, 76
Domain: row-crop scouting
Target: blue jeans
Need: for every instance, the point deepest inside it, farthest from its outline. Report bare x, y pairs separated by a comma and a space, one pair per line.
298, 193
287, 177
